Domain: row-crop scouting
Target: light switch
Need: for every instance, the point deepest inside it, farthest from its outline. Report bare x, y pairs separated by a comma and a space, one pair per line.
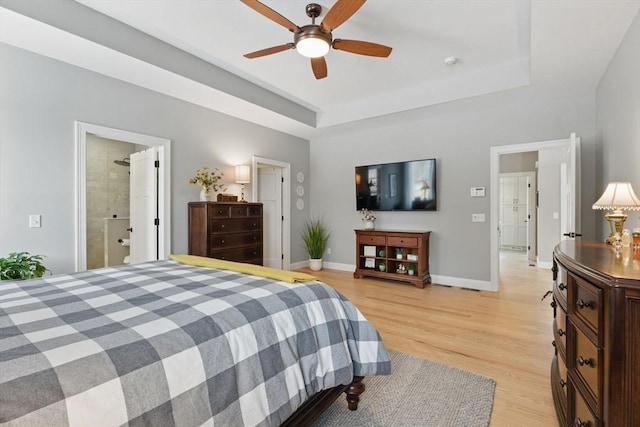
477, 217
34, 221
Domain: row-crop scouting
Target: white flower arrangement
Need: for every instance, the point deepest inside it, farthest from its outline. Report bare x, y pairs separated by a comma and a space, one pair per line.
367, 215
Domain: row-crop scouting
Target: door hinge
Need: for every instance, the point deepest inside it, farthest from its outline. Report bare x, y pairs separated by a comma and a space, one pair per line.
282, 256
157, 163
282, 218
156, 221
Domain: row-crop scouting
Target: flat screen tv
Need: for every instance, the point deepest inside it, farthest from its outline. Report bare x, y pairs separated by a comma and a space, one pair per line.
401, 186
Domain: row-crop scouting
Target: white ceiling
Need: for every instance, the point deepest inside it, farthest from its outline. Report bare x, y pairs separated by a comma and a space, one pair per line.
500, 44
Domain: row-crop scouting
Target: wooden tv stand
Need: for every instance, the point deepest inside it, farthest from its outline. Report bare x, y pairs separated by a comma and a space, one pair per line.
380, 247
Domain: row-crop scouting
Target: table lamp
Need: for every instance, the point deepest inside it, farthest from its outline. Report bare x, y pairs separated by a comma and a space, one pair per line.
618, 197
243, 172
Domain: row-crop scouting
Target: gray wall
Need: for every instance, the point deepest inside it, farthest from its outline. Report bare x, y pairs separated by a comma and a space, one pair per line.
459, 135
618, 122
41, 99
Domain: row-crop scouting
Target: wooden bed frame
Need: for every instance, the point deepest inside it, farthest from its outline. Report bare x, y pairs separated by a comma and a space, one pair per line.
318, 403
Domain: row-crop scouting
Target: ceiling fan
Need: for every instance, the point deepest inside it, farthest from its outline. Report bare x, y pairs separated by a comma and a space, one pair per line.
314, 41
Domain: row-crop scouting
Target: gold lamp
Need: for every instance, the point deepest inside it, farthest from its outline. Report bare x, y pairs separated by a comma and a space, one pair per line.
243, 172
617, 197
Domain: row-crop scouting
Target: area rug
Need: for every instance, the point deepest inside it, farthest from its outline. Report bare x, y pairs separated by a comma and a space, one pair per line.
418, 393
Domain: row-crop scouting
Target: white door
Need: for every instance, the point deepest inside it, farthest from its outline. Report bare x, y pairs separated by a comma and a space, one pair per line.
270, 195
570, 225
514, 210
532, 220
144, 206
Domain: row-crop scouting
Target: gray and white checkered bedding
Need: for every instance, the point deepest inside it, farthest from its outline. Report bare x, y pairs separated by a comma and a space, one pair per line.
165, 344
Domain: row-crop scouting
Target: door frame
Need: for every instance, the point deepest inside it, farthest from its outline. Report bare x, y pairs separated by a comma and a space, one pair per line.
494, 168
164, 184
258, 161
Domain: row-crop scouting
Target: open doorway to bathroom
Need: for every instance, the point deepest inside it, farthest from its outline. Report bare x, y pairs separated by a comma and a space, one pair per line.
108, 197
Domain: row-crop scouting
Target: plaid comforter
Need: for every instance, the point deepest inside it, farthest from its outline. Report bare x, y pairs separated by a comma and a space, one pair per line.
164, 343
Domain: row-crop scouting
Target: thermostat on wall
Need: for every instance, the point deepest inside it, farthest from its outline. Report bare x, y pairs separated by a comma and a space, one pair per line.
477, 191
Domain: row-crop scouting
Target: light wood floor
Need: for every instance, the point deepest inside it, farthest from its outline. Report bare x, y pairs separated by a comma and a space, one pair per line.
504, 335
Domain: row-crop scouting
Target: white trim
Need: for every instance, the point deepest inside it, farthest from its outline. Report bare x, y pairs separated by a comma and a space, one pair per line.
494, 165
164, 184
286, 201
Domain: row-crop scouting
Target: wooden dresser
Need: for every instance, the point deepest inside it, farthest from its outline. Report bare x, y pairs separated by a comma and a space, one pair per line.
230, 231
387, 254
595, 373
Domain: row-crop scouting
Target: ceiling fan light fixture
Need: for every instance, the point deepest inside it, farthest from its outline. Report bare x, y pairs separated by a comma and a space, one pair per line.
312, 42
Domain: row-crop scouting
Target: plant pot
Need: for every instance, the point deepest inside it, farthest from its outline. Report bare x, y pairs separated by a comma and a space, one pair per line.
382, 267
369, 225
315, 264
411, 272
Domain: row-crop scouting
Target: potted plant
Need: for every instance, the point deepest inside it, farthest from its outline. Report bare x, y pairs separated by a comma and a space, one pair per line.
21, 266
382, 266
315, 237
411, 269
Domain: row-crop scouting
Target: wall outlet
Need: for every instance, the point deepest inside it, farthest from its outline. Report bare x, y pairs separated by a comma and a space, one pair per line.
477, 217
34, 221
328, 251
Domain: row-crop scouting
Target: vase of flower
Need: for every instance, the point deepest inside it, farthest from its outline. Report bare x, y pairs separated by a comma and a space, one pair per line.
205, 194
207, 180
368, 218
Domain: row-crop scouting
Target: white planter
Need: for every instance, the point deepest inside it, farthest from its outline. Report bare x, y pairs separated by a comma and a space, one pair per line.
315, 264
369, 225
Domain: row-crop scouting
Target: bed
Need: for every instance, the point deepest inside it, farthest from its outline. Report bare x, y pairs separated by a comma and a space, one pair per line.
178, 342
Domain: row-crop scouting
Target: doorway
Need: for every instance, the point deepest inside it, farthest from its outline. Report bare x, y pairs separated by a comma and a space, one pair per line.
272, 188
553, 156
84, 133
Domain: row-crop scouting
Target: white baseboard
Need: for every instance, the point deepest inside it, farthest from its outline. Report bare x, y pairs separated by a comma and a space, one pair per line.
545, 264
480, 285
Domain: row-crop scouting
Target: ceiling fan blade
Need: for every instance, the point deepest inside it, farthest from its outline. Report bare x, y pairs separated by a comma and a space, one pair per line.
271, 14
319, 67
362, 48
269, 51
340, 12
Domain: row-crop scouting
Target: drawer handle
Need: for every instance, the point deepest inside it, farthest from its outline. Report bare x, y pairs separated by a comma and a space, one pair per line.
553, 304
255, 238
563, 383
582, 304
254, 224
561, 332
222, 242
562, 286
553, 343
221, 225
582, 361
580, 423
220, 212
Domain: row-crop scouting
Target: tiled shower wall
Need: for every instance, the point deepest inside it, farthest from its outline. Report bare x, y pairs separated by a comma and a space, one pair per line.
107, 191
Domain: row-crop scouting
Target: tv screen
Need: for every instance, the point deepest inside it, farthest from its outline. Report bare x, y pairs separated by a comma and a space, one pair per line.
401, 186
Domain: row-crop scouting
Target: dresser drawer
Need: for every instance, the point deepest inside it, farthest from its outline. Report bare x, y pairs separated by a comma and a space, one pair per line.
372, 239
586, 303
560, 285
223, 240
254, 211
219, 211
251, 254
582, 415
235, 225
560, 331
408, 242
587, 364
562, 372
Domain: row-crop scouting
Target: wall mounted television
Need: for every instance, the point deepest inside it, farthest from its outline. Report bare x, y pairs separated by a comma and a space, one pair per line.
400, 186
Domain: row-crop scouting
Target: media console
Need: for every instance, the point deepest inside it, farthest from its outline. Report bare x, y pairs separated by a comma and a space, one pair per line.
389, 254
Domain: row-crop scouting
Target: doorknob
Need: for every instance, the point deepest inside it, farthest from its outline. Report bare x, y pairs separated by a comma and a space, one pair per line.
130, 230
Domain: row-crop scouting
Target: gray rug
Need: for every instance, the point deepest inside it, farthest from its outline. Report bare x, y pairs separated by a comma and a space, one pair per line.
418, 393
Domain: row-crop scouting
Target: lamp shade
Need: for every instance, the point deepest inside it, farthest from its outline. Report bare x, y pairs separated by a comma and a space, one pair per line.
618, 196
243, 173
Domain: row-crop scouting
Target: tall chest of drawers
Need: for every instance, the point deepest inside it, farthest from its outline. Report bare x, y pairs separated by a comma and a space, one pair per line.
228, 231
595, 373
